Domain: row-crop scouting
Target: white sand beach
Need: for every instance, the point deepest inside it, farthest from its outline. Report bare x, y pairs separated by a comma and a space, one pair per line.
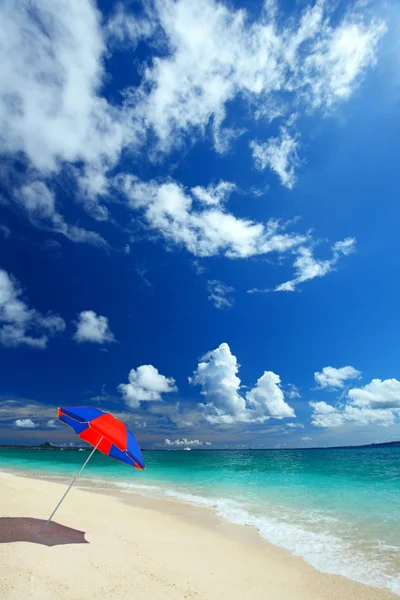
115, 545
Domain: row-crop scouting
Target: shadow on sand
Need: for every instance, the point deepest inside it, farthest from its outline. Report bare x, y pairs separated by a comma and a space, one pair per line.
26, 529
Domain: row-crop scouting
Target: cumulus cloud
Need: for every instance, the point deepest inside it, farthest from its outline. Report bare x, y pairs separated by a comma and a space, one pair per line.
220, 293
326, 415
378, 403
93, 328
217, 376
280, 155
25, 423
377, 394
329, 416
207, 229
19, 324
330, 377
146, 384
308, 267
184, 442
295, 425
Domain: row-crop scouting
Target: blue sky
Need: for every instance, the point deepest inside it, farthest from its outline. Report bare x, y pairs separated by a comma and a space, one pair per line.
199, 220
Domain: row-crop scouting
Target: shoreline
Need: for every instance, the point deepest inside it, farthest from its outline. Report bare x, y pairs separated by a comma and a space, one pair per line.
216, 559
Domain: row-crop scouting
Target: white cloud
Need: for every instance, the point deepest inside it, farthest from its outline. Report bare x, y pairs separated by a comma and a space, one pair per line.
217, 375
335, 378
280, 155
20, 324
267, 398
315, 64
93, 328
51, 66
336, 416
38, 201
205, 230
126, 29
366, 416
306, 439
25, 423
199, 268
52, 424
340, 58
326, 415
378, 403
292, 391
295, 425
146, 384
214, 195
377, 394
184, 442
220, 294
307, 267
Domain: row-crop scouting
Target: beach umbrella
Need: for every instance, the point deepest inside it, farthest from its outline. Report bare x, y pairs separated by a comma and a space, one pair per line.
106, 433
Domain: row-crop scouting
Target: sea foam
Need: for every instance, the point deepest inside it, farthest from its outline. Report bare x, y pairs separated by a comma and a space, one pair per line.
321, 549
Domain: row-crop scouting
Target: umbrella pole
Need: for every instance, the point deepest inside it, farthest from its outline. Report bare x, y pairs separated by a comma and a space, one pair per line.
70, 485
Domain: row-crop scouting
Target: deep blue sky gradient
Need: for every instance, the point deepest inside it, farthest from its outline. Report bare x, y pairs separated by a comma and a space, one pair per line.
348, 185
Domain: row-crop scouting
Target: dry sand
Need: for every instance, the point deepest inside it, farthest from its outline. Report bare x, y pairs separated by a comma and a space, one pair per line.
107, 546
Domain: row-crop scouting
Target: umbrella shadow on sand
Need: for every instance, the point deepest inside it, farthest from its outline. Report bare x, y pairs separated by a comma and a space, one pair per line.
26, 529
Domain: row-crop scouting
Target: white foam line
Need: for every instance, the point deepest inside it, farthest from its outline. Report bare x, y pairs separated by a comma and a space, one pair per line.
322, 550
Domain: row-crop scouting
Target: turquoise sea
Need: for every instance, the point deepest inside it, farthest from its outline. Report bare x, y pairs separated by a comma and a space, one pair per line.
339, 509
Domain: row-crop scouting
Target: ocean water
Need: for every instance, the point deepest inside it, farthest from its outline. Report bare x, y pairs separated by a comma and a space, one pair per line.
339, 509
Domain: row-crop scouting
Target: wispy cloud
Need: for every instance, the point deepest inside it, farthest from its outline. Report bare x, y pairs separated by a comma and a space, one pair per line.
313, 62
39, 204
295, 425
19, 324
292, 391
213, 195
220, 294
279, 154
308, 267
204, 230
5, 231
141, 272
